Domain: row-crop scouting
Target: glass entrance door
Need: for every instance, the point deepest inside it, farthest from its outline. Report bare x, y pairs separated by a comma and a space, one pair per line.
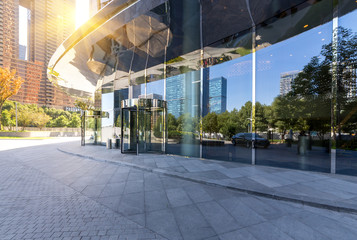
143, 128
129, 130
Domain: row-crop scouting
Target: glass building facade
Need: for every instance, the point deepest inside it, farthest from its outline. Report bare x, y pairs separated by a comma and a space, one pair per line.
280, 72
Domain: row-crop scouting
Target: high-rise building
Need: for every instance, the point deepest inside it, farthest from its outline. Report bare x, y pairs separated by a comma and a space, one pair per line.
217, 95
47, 24
285, 81
183, 94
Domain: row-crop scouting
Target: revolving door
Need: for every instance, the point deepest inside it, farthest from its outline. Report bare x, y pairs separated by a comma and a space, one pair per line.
143, 126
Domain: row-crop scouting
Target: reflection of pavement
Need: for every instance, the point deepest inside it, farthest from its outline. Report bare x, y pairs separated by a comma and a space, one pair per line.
279, 155
295, 185
48, 194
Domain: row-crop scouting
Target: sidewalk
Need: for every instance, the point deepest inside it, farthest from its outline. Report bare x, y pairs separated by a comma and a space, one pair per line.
334, 192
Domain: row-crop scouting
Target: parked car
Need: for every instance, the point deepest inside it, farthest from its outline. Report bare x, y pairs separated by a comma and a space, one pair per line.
246, 140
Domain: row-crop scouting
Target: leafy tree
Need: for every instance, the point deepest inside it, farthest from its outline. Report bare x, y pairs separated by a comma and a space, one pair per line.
84, 104
61, 121
75, 121
10, 84
24, 117
261, 119
210, 123
40, 119
7, 118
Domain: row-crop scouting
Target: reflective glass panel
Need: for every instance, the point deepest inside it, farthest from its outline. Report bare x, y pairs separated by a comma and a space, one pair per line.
346, 101
292, 114
227, 95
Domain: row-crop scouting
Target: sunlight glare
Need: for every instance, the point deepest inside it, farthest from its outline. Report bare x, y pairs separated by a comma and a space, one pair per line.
82, 12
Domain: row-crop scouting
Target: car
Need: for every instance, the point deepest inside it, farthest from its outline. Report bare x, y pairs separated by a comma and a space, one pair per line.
246, 139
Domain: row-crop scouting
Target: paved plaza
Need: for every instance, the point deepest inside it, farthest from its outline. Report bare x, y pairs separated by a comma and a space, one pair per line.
55, 189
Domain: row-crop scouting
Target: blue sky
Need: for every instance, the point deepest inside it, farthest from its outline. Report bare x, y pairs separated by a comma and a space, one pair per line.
289, 55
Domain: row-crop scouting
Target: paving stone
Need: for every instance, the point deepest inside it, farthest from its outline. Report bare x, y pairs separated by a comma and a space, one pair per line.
267, 231
238, 234
163, 222
44, 191
220, 220
244, 215
156, 200
195, 226
178, 197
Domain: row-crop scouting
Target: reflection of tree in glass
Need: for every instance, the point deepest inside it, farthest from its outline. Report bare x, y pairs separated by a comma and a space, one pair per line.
314, 88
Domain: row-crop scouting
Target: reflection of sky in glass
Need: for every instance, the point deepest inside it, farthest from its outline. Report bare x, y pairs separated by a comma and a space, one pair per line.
156, 87
108, 106
238, 73
349, 21
289, 55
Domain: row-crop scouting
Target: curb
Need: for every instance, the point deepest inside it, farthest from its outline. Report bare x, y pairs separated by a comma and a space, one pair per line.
308, 201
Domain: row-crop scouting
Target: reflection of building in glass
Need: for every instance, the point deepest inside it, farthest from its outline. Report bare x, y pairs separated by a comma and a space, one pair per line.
48, 24
217, 95
286, 79
351, 83
182, 94
179, 43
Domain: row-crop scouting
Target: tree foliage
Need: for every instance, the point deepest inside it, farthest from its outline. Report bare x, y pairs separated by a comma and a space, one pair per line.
10, 84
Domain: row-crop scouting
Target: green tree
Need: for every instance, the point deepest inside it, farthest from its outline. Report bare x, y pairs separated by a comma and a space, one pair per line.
210, 123
40, 119
61, 121
8, 119
75, 121
227, 125
25, 117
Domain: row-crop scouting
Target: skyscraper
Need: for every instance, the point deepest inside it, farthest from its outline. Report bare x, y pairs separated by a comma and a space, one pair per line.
285, 81
217, 95
47, 24
183, 94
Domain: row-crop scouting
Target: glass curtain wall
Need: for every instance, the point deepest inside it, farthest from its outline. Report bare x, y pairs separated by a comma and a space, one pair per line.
246, 81
346, 100
227, 80
183, 79
293, 88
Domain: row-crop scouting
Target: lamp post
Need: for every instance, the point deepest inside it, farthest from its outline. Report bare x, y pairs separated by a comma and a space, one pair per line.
250, 125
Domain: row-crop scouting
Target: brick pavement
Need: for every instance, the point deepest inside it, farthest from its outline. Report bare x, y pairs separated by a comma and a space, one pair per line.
46, 194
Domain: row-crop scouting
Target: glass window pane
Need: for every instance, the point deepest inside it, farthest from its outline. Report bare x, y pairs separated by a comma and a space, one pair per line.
293, 89
346, 104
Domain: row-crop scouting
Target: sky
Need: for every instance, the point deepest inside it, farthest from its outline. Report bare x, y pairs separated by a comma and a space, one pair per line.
82, 12
82, 15
289, 55
23, 26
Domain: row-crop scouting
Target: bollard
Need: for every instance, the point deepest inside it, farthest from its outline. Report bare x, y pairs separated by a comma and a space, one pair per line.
302, 145
117, 143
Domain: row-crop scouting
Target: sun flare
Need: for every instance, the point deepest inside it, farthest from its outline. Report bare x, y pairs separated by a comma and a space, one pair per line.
82, 12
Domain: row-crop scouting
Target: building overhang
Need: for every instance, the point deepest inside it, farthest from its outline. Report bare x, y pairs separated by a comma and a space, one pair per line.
90, 57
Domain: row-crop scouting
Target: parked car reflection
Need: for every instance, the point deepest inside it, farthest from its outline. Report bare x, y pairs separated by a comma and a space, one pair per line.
246, 140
